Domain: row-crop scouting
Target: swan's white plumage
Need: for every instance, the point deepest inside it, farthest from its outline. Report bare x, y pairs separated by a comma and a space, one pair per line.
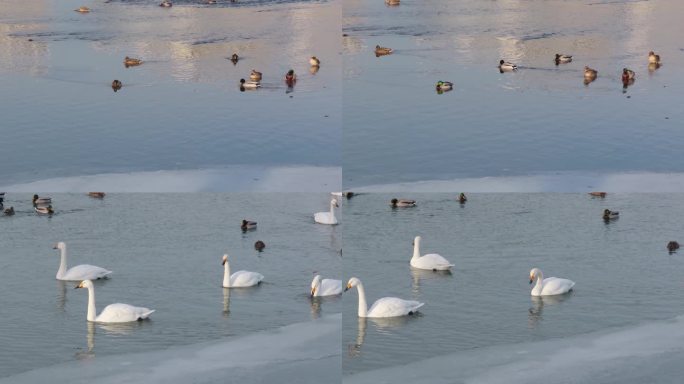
325, 287
113, 313
431, 261
384, 307
549, 286
327, 217
239, 279
79, 272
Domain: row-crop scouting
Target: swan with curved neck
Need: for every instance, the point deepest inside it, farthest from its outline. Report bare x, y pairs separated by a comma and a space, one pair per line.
79, 272
327, 217
384, 307
549, 286
431, 261
113, 313
239, 279
325, 287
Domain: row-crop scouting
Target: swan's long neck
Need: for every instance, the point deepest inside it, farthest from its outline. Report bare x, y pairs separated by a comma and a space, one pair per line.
62, 262
540, 282
416, 249
226, 274
363, 306
92, 313
332, 210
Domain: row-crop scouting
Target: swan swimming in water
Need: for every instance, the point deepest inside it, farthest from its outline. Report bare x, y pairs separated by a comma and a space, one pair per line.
549, 286
325, 287
79, 272
239, 279
327, 217
431, 261
113, 313
384, 307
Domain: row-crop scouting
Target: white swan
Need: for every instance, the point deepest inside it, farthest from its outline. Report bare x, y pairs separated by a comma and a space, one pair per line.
432, 261
79, 272
325, 287
549, 286
239, 279
327, 217
384, 307
113, 313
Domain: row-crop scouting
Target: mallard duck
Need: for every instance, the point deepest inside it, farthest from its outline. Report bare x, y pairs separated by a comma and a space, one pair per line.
234, 58
653, 58
462, 198
314, 61
82, 9
290, 76
392, 2
672, 246
9, 211
597, 194
627, 75
249, 84
37, 200
131, 61
97, 195
590, 73
166, 4
506, 66
444, 85
255, 75
609, 215
116, 85
402, 203
379, 51
246, 224
259, 245
560, 58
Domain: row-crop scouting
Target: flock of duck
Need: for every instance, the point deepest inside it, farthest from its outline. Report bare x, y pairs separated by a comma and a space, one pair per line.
41, 205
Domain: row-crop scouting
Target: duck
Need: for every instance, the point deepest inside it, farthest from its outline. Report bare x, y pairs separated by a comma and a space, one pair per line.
402, 203
82, 9
9, 211
609, 215
259, 245
37, 200
380, 51
327, 217
97, 195
116, 85
79, 272
211, 1
113, 313
234, 58
325, 287
131, 61
249, 84
672, 246
247, 225
561, 59
550, 286
627, 75
392, 2
290, 76
597, 194
444, 85
314, 61
255, 75
166, 4
44, 210
506, 66
430, 261
653, 58
462, 198
384, 307
590, 73
239, 279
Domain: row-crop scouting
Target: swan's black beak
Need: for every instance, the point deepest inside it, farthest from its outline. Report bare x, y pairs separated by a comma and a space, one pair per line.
531, 281
78, 286
346, 289
223, 262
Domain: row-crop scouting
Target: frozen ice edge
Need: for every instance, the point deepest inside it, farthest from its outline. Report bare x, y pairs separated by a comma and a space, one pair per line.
231, 179
306, 352
646, 353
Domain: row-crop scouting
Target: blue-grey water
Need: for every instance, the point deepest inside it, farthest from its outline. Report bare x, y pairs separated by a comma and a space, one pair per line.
481, 319
165, 253
538, 120
182, 108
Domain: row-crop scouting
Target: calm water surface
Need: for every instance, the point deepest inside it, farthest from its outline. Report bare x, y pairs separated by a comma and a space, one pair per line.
624, 275
182, 109
165, 251
540, 119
